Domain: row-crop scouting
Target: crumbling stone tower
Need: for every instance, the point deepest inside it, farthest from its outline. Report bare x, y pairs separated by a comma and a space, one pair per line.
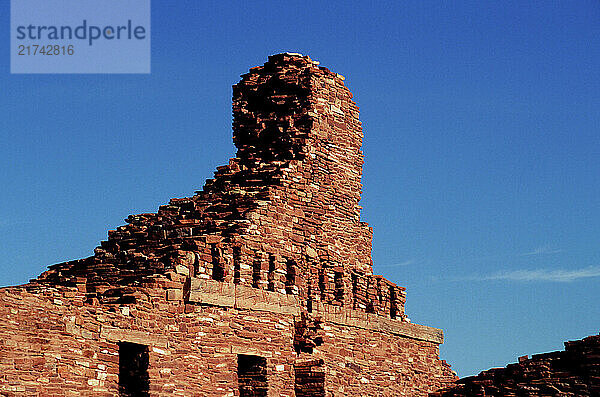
259, 284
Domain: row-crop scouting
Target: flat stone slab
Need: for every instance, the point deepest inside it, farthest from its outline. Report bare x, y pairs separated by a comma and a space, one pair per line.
217, 293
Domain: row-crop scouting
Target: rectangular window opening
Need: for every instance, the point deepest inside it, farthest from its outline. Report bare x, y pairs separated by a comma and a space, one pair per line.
290, 277
218, 271
271, 274
354, 291
236, 265
393, 308
252, 376
134, 380
370, 306
256, 268
309, 299
196, 267
338, 281
322, 283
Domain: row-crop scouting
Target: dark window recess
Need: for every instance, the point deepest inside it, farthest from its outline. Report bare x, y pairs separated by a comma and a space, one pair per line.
196, 265
218, 272
290, 276
322, 283
309, 285
252, 376
354, 291
393, 308
309, 299
379, 292
310, 379
134, 380
338, 281
256, 267
370, 307
307, 334
271, 274
236, 264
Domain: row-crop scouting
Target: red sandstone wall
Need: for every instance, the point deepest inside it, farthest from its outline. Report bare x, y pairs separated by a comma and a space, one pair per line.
270, 258
51, 343
361, 362
292, 193
572, 372
55, 345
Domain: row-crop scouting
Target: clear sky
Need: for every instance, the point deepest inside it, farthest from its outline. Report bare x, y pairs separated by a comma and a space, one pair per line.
481, 124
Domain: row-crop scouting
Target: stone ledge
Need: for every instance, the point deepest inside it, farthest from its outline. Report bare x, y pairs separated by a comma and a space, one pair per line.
127, 335
386, 325
211, 292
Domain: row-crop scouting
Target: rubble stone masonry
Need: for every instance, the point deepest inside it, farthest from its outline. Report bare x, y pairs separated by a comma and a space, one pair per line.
572, 372
260, 284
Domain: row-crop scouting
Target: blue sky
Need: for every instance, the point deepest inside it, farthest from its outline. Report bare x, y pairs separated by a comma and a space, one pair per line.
481, 142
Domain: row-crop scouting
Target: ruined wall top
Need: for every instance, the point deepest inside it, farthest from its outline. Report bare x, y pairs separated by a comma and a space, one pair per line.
292, 109
282, 216
278, 106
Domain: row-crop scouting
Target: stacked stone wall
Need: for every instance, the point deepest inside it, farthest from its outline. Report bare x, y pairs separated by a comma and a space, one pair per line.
269, 260
572, 372
53, 343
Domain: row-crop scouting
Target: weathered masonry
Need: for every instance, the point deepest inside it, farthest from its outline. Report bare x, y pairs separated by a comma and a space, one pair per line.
260, 284
574, 371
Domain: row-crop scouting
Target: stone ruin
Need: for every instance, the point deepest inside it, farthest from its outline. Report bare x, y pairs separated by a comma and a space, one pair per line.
260, 284
572, 372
